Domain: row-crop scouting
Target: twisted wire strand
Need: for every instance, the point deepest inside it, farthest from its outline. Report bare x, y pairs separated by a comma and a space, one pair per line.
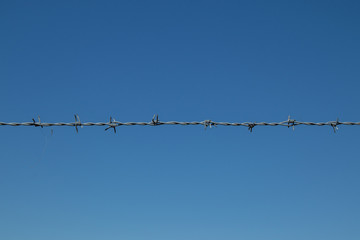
156, 122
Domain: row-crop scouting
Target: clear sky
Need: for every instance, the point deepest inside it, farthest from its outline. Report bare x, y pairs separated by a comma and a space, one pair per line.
187, 61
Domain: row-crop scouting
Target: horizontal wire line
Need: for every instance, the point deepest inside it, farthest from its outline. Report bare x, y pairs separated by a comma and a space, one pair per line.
206, 123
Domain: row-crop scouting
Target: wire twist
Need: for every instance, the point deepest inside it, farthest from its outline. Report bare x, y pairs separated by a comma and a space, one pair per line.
156, 122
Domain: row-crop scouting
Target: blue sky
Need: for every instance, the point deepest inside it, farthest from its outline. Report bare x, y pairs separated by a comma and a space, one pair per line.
187, 61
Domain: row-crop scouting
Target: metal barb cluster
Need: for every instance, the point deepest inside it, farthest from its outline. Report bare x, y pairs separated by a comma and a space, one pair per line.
77, 123
112, 124
209, 123
291, 123
335, 124
37, 124
156, 122
251, 126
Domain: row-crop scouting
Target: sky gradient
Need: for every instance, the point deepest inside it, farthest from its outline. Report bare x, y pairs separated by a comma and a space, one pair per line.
186, 61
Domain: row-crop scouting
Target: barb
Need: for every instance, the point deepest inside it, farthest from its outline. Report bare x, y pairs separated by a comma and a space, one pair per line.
37, 124
77, 122
291, 123
335, 124
155, 122
251, 126
112, 124
209, 123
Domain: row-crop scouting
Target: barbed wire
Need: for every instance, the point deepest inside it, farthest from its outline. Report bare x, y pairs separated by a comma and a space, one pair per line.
113, 124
